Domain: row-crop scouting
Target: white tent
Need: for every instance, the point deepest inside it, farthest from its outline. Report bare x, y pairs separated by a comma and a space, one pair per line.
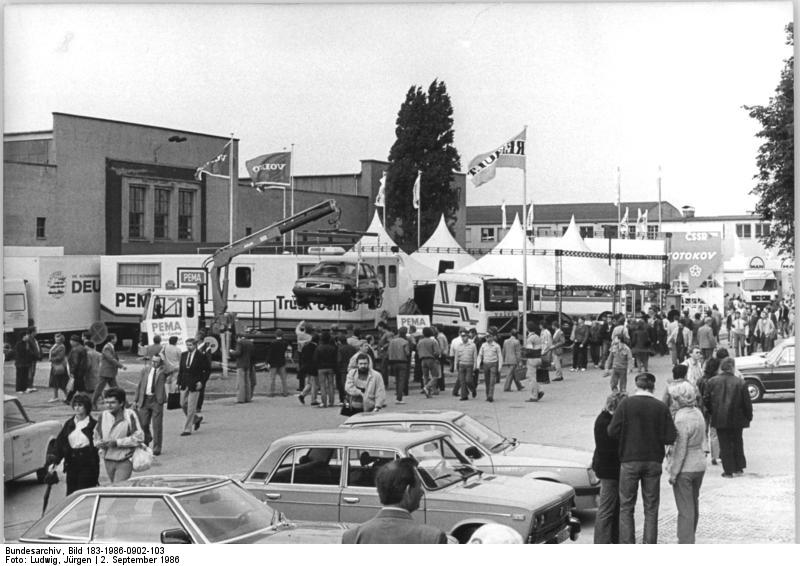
442, 246
647, 270
381, 244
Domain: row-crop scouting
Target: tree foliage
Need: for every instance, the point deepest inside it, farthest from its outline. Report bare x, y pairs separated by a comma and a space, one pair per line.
424, 130
775, 160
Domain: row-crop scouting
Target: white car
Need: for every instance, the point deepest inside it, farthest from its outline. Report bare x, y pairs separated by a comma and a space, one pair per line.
25, 442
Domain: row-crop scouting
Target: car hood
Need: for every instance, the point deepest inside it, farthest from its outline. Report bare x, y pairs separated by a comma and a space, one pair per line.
490, 490
542, 455
750, 362
300, 532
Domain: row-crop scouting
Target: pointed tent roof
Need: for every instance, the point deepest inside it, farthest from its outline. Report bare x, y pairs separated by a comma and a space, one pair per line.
572, 240
382, 242
442, 246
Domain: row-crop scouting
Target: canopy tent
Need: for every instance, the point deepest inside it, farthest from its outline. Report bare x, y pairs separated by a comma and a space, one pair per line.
650, 270
377, 242
442, 247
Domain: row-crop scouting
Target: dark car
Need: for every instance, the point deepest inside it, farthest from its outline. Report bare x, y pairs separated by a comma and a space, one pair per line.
180, 509
769, 372
340, 282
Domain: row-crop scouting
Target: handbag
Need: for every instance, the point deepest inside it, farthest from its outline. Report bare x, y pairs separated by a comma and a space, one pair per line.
349, 408
173, 400
142, 458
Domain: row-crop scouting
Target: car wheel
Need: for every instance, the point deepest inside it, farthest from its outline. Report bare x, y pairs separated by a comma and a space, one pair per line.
464, 532
755, 390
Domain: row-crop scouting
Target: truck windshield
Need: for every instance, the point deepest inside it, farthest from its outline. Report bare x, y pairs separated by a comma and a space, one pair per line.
760, 284
501, 296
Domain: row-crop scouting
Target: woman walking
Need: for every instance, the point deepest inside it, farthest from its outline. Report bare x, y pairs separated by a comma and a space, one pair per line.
59, 373
75, 446
687, 464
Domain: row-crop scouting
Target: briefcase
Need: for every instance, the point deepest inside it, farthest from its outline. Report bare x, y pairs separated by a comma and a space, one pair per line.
173, 400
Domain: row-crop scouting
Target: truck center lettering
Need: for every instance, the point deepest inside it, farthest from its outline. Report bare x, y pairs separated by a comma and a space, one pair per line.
694, 256
129, 300
696, 236
86, 286
166, 327
291, 304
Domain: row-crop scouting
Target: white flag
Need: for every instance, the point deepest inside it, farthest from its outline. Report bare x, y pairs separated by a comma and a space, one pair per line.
416, 189
619, 186
529, 219
641, 226
623, 225
503, 208
380, 200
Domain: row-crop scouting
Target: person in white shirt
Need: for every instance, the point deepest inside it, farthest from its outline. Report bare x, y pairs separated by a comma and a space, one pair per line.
151, 394
490, 355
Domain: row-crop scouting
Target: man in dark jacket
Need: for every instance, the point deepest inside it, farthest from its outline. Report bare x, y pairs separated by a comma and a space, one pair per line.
245, 371
276, 358
726, 400
643, 426
605, 463
192, 375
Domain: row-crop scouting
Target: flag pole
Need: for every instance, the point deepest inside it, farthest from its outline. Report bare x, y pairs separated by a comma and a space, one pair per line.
291, 184
659, 199
233, 178
525, 248
619, 202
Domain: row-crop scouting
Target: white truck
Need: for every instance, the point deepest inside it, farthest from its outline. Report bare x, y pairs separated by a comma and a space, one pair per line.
51, 293
760, 287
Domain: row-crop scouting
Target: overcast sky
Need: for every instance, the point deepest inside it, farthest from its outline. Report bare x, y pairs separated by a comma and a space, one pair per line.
598, 85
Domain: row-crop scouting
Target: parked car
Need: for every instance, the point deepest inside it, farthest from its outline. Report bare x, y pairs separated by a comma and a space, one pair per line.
769, 372
330, 475
495, 453
25, 443
179, 509
340, 282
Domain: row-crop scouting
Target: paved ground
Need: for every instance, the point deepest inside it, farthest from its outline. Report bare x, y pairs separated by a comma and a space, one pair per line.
758, 507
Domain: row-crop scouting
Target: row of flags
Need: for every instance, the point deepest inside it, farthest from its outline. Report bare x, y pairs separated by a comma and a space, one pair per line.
380, 198
268, 171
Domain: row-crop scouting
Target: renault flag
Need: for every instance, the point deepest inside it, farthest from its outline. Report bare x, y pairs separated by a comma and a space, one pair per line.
271, 171
217, 167
483, 168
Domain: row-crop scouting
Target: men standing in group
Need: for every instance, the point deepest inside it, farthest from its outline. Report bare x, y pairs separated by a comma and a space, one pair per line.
151, 394
399, 352
245, 372
400, 492
738, 333
765, 331
725, 398
706, 338
23, 357
464, 355
643, 426
428, 352
109, 365
276, 358
193, 369
490, 355
303, 338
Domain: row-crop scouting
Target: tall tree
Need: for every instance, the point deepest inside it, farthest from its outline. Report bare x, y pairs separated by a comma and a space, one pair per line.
424, 143
775, 187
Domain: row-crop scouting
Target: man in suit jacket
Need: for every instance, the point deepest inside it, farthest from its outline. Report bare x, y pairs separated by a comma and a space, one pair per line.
192, 374
151, 394
245, 372
400, 491
109, 366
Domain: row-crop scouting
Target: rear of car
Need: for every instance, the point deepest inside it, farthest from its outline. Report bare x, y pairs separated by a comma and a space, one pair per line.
26, 443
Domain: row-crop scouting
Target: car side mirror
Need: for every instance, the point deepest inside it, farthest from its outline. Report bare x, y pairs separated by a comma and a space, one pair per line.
175, 536
473, 453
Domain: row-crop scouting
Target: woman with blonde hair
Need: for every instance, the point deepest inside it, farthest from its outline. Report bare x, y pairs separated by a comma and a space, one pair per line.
687, 462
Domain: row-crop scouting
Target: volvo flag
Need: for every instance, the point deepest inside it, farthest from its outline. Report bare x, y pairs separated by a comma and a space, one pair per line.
483, 168
217, 167
271, 171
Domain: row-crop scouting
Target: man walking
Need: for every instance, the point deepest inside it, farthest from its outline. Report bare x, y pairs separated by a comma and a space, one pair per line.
400, 492
619, 364
725, 398
151, 394
117, 434
557, 349
490, 356
706, 338
79, 366
643, 426
428, 352
109, 366
512, 358
191, 376
399, 352
464, 355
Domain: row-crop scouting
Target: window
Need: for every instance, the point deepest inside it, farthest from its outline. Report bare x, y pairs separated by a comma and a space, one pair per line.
13, 415
14, 302
444, 265
652, 232
787, 357
244, 277
136, 211
168, 307
587, 231
139, 275
185, 214
362, 271
304, 269
40, 233
161, 214
77, 522
467, 293
363, 465
762, 230
487, 234
545, 231
133, 519
744, 230
459, 441
248, 230
311, 466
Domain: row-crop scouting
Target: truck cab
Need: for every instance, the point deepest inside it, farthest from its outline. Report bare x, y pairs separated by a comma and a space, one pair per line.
760, 287
170, 312
16, 312
476, 301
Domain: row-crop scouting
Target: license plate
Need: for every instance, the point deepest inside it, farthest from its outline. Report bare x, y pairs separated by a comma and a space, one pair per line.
562, 535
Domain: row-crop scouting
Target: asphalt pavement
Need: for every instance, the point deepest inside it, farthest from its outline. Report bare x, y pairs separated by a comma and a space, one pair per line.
756, 508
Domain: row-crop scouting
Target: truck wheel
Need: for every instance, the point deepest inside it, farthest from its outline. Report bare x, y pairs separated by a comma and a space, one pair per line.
755, 390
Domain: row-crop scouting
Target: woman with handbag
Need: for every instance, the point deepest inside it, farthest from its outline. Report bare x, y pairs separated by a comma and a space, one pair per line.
75, 446
59, 371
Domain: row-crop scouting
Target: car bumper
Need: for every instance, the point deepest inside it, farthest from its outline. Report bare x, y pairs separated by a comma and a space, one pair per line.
569, 531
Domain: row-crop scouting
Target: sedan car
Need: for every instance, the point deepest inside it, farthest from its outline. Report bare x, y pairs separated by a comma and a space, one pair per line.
493, 452
769, 372
340, 282
25, 443
180, 509
330, 475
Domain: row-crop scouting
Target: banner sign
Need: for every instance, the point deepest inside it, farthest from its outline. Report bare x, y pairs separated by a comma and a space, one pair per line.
419, 321
270, 171
695, 255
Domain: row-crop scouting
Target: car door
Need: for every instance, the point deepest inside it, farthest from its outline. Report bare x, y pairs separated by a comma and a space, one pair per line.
462, 443
359, 498
782, 374
27, 451
305, 484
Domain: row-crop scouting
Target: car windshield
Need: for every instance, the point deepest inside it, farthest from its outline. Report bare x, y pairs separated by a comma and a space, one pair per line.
774, 355
226, 512
440, 464
481, 433
333, 269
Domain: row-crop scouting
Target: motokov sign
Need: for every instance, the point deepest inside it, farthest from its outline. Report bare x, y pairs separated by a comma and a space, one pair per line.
696, 255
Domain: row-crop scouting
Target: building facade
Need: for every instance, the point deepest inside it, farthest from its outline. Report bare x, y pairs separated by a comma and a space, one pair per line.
97, 186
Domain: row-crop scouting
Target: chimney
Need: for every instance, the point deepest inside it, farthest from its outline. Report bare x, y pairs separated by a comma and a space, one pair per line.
687, 211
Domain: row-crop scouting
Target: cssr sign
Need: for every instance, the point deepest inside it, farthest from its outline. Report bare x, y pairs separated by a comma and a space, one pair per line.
694, 257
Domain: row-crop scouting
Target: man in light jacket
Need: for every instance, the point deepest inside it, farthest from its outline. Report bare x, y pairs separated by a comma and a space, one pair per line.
117, 434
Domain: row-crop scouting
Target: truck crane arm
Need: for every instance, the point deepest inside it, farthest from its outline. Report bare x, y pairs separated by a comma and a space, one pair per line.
217, 265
